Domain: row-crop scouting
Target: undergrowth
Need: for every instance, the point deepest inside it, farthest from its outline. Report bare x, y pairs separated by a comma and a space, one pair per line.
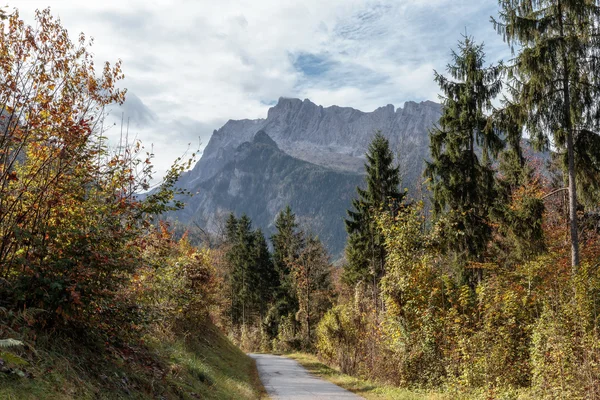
366, 388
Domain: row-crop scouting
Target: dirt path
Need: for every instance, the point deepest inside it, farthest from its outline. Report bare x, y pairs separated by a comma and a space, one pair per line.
285, 379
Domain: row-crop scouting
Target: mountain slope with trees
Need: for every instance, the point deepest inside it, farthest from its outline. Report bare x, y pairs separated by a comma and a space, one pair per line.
316, 169
262, 180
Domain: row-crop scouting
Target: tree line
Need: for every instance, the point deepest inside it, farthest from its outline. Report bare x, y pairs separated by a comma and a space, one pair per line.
274, 299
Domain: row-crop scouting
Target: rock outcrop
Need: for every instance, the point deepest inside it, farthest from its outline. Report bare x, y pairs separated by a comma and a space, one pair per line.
261, 180
308, 156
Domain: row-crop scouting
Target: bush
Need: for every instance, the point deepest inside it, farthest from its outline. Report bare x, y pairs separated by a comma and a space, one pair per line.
565, 349
177, 284
338, 340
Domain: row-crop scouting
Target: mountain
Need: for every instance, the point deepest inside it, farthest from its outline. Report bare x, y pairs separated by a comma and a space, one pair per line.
261, 180
334, 137
308, 156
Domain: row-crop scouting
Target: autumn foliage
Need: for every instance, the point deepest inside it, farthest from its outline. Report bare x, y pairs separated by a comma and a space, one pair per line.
81, 254
529, 329
487, 307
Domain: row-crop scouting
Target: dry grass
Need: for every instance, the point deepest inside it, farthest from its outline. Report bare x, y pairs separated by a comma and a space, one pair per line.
367, 389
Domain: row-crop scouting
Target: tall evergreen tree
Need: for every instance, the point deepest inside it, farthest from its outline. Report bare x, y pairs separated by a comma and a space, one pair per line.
365, 252
239, 258
231, 257
252, 277
556, 78
518, 210
265, 275
461, 179
230, 228
287, 243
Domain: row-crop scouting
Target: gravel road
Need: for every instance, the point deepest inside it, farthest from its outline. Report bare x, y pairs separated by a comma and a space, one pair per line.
285, 379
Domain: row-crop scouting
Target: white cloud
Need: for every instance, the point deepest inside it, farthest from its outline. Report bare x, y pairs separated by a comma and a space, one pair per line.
194, 64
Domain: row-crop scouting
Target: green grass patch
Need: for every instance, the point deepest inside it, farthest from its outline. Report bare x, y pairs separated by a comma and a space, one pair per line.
200, 365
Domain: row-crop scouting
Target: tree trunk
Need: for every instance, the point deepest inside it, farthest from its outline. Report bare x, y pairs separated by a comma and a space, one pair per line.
308, 309
573, 204
244, 298
570, 154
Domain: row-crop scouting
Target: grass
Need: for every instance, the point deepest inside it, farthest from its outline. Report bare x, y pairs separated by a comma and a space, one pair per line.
221, 369
204, 365
367, 389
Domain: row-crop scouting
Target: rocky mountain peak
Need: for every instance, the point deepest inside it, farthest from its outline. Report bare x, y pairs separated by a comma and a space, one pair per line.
388, 110
261, 137
303, 155
334, 137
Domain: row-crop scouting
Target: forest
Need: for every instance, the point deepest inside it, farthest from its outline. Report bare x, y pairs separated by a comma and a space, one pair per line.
486, 287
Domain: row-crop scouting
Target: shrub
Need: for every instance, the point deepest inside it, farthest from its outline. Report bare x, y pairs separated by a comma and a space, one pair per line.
338, 340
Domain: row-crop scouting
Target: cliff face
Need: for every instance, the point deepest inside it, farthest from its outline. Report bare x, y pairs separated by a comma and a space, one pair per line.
335, 137
305, 155
261, 180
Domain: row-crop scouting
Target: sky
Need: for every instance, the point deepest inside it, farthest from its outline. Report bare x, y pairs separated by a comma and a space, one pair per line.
191, 65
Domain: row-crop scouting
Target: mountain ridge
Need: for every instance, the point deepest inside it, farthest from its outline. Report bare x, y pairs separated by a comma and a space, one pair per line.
298, 156
261, 180
334, 136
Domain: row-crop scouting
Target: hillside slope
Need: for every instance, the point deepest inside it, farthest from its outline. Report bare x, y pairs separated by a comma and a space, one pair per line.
205, 365
261, 180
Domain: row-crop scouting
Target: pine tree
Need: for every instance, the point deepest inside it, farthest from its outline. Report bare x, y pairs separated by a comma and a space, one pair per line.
365, 251
518, 209
462, 183
243, 275
287, 242
556, 78
230, 228
231, 257
264, 272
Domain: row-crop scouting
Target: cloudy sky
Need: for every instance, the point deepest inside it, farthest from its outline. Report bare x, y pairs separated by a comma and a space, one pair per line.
191, 65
